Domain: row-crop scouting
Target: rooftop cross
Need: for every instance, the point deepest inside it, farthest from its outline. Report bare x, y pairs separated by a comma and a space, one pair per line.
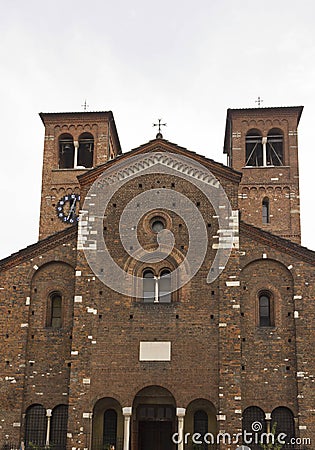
259, 101
85, 105
159, 134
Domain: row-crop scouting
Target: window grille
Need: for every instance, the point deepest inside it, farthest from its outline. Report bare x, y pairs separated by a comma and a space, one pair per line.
251, 416
201, 426
283, 420
110, 427
58, 433
35, 426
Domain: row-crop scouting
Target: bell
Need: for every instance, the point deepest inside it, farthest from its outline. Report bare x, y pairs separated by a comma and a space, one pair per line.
67, 147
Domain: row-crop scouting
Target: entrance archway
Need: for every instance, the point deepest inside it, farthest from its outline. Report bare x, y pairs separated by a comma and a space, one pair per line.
154, 421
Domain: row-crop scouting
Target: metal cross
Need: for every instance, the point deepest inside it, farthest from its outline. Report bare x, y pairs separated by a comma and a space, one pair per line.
159, 125
85, 105
259, 101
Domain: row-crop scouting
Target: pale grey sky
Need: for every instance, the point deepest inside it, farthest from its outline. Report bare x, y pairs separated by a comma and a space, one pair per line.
183, 61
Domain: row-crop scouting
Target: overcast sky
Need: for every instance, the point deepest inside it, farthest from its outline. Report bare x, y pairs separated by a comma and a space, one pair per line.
183, 61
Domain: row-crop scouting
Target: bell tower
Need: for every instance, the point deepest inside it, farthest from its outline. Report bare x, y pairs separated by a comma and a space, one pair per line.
74, 143
262, 143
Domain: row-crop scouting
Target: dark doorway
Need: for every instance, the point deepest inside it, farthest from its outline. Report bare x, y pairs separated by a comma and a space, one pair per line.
155, 420
155, 435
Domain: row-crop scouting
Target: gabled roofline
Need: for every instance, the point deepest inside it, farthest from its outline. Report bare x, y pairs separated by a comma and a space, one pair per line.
162, 145
277, 242
38, 248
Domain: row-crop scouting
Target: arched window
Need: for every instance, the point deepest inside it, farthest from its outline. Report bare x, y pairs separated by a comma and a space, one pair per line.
282, 421
201, 426
265, 310
164, 285
110, 428
265, 211
251, 415
274, 148
66, 151
58, 428
35, 426
254, 148
54, 313
157, 289
86, 150
148, 286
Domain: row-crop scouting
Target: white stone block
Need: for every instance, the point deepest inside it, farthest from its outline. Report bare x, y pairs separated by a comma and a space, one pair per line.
155, 351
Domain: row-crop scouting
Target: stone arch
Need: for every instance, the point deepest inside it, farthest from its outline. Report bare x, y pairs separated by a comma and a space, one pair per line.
262, 275
66, 151
203, 411
35, 426
254, 415
282, 420
53, 276
136, 267
154, 417
86, 150
58, 427
107, 423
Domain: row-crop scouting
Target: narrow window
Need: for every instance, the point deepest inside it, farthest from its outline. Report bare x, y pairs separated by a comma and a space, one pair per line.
264, 310
274, 148
282, 420
35, 426
86, 150
201, 426
254, 149
66, 152
164, 283
148, 286
251, 416
58, 431
56, 303
265, 210
110, 428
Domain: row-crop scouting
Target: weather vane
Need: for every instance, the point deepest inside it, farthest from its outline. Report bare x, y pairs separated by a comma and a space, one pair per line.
85, 105
259, 101
159, 134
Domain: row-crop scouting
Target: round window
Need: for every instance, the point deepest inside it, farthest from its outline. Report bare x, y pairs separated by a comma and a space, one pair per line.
157, 225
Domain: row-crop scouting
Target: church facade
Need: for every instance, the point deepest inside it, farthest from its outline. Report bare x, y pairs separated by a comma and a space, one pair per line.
168, 302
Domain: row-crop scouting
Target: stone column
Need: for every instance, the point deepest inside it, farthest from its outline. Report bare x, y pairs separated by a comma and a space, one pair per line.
264, 144
48, 415
180, 413
76, 151
268, 421
156, 290
127, 411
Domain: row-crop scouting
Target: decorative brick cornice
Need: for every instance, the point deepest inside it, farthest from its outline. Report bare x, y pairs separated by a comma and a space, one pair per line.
162, 145
277, 242
39, 248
